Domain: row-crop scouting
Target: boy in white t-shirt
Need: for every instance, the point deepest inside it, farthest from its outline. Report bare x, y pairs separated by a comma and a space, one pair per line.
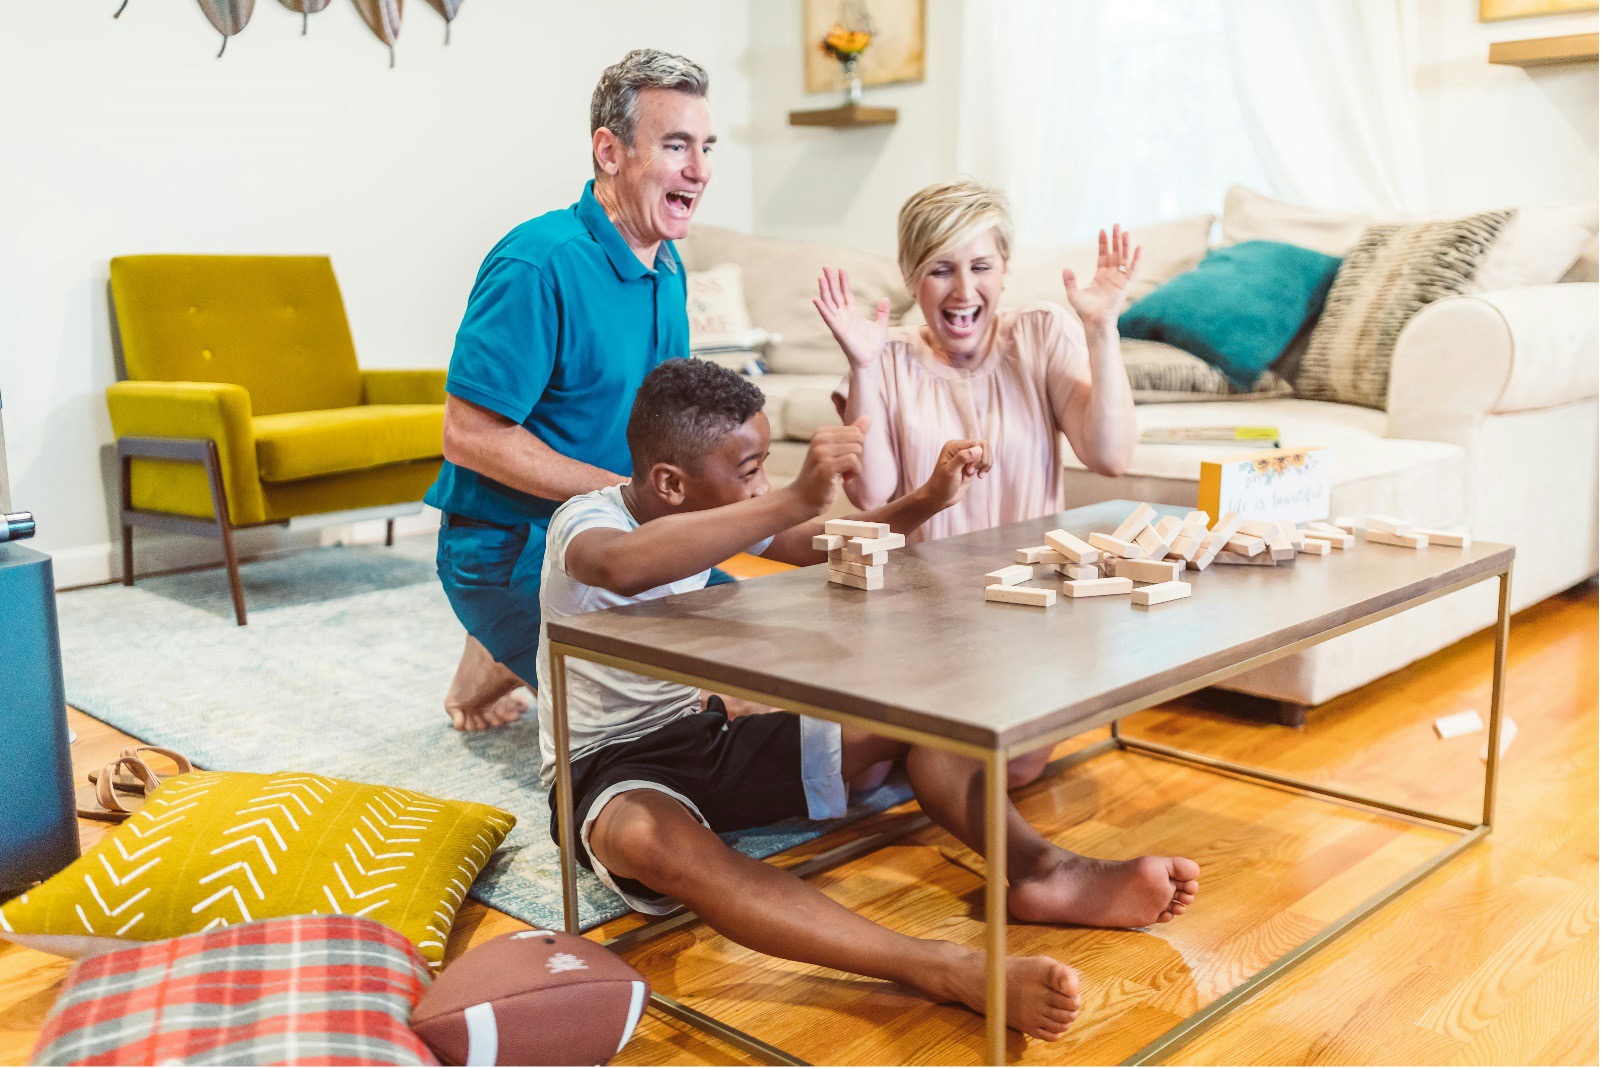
656, 776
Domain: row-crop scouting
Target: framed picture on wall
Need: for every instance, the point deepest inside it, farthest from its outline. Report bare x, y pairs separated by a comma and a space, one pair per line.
896, 54
1498, 10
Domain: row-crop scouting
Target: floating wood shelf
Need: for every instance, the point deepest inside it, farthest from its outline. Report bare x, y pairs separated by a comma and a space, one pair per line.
1545, 51
846, 115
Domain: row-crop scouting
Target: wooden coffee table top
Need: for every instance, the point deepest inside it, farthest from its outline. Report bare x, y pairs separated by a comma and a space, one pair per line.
928, 652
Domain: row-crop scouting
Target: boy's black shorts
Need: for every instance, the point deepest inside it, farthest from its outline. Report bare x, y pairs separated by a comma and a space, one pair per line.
731, 774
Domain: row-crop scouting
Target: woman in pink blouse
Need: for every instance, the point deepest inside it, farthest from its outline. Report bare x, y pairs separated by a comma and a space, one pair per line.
1015, 377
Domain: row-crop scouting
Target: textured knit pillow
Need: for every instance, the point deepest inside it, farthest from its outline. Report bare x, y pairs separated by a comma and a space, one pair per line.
1161, 374
216, 848
1394, 271
288, 991
1239, 309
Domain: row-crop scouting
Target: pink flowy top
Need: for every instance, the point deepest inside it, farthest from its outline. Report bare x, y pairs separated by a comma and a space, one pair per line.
1011, 397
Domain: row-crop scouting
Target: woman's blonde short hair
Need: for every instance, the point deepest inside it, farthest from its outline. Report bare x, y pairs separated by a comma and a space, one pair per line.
941, 217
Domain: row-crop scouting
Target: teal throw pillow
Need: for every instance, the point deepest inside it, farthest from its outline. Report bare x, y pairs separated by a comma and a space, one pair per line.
1239, 309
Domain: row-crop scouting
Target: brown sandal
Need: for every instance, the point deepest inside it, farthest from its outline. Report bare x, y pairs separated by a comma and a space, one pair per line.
111, 807
130, 785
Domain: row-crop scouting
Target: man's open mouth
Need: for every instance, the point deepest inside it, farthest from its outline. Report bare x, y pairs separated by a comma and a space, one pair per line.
681, 201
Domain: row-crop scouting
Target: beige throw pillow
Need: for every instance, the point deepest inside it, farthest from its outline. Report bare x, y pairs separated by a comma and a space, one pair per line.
1538, 247
1394, 271
721, 329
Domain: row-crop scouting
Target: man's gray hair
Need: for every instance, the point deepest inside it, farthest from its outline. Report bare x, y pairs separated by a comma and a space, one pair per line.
616, 102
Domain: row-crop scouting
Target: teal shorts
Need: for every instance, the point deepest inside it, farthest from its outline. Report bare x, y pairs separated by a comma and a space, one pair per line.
491, 576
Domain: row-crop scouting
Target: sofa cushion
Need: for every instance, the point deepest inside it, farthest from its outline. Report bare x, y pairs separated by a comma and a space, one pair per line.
798, 405
1371, 473
781, 279
1162, 374
1391, 274
300, 445
1239, 309
721, 328
1542, 244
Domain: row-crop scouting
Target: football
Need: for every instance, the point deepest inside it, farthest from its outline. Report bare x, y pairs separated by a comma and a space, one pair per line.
532, 998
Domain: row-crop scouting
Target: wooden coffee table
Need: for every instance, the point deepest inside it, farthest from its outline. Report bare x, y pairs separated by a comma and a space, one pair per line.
926, 660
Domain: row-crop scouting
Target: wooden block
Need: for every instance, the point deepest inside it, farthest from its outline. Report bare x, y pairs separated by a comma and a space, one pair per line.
1040, 555
850, 555
827, 542
1159, 593
1313, 547
1195, 518
1255, 528
1281, 547
1208, 550
1153, 544
1072, 549
1126, 532
1334, 538
862, 582
1389, 525
1226, 556
1115, 546
1012, 575
1022, 595
1169, 528
862, 571
1346, 524
1227, 525
1148, 571
1506, 735
1322, 527
1457, 724
1079, 571
865, 546
1409, 541
857, 528
1096, 588
1457, 539
1246, 545
1183, 548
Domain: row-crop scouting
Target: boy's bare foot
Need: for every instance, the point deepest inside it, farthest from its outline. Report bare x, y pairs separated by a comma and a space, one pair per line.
1071, 889
1043, 994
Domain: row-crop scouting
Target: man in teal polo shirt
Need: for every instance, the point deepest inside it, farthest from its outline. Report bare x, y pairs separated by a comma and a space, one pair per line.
569, 313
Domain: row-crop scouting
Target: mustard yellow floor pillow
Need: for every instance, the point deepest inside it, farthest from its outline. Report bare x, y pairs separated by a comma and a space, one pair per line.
210, 849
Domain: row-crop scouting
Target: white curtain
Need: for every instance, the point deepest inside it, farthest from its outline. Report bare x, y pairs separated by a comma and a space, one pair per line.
1328, 90
1091, 112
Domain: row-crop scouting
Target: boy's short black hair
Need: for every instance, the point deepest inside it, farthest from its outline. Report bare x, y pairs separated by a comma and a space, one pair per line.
684, 409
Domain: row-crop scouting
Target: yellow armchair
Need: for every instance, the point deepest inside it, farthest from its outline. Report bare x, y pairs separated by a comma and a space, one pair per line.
243, 404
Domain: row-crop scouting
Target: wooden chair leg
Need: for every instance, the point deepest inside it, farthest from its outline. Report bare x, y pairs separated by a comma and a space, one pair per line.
128, 555
389, 532
125, 465
232, 561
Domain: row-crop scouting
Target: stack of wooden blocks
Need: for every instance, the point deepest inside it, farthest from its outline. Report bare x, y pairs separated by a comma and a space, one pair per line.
857, 551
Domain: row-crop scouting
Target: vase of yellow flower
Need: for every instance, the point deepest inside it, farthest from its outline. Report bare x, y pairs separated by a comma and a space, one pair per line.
846, 44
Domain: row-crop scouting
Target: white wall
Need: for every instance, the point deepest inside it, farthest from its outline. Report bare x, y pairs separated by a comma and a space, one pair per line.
1497, 136
127, 136
825, 184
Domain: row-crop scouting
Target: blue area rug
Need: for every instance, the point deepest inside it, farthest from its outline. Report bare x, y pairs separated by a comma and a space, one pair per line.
342, 672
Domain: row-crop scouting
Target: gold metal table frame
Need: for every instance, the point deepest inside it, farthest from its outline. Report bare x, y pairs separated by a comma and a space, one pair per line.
996, 762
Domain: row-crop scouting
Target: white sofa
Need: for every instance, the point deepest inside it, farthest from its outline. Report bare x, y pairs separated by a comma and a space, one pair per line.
1491, 421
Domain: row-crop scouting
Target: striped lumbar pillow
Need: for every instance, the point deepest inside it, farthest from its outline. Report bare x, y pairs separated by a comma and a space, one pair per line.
1394, 271
211, 849
288, 991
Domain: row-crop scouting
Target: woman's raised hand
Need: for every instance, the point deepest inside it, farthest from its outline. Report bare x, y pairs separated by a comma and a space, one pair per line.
1098, 304
860, 338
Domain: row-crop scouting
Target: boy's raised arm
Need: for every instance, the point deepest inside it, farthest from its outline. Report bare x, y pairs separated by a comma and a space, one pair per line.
960, 461
670, 548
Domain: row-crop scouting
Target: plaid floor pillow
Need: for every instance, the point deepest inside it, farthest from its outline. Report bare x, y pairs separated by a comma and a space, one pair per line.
315, 990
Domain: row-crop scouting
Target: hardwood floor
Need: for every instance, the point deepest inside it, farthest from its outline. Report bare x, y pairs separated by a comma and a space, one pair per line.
1494, 959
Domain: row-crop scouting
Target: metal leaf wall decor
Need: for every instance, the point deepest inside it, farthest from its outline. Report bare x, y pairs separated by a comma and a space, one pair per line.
305, 8
448, 10
384, 19
228, 17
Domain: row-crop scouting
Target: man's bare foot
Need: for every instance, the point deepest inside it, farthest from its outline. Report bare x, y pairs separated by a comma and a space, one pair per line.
484, 693
1071, 889
1043, 994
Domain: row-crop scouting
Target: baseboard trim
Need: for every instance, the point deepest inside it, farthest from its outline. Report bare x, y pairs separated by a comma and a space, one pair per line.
155, 554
